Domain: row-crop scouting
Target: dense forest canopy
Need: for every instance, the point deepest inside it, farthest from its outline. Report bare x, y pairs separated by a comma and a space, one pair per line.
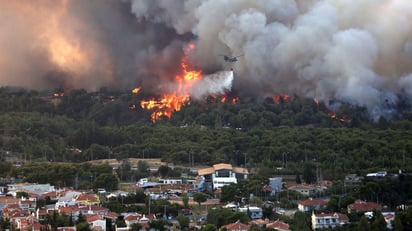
273, 136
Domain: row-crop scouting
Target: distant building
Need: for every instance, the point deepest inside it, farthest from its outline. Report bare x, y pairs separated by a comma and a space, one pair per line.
253, 212
86, 199
377, 174
353, 179
237, 226
276, 185
328, 220
278, 225
170, 181
311, 205
306, 190
28, 187
389, 218
363, 206
221, 174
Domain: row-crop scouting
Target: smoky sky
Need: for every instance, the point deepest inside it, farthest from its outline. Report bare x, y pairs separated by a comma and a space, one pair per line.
359, 52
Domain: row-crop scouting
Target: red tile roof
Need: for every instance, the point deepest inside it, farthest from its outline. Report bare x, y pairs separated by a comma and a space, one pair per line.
364, 206
312, 202
93, 217
236, 226
279, 225
341, 216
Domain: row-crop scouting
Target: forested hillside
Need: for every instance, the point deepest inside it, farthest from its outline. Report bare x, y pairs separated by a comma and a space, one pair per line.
272, 135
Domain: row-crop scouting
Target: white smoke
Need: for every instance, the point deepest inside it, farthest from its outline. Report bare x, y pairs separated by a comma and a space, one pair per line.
353, 51
213, 84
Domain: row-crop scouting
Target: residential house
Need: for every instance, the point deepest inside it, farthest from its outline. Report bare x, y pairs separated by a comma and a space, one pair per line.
65, 198
259, 222
12, 211
275, 184
278, 225
131, 219
29, 187
53, 196
28, 205
75, 210
29, 223
304, 189
237, 226
86, 199
41, 214
96, 222
311, 205
219, 175
389, 218
363, 206
143, 219
328, 220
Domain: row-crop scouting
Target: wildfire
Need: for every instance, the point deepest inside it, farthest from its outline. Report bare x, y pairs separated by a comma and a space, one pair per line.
58, 94
333, 115
171, 102
281, 98
136, 90
232, 100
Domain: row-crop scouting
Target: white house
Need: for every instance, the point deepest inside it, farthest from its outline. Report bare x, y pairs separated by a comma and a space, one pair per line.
311, 205
328, 220
222, 174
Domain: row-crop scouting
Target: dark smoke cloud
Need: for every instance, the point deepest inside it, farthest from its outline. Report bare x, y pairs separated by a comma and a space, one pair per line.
358, 52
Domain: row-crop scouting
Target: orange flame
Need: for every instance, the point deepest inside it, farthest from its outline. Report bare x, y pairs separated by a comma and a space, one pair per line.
136, 90
333, 115
171, 102
227, 99
281, 98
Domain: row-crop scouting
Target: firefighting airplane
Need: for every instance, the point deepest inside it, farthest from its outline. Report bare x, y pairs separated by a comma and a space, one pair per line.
230, 59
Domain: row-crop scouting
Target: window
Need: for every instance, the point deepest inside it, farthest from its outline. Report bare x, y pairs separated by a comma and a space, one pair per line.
223, 173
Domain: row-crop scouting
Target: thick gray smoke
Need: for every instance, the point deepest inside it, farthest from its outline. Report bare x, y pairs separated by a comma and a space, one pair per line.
358, 52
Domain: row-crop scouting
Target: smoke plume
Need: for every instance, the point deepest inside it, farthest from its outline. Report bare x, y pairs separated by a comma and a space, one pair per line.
359, 52
213, 84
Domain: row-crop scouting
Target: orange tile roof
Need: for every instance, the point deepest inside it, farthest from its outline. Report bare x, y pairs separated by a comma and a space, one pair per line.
222, 166
205, 171
240, 170
216, 167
